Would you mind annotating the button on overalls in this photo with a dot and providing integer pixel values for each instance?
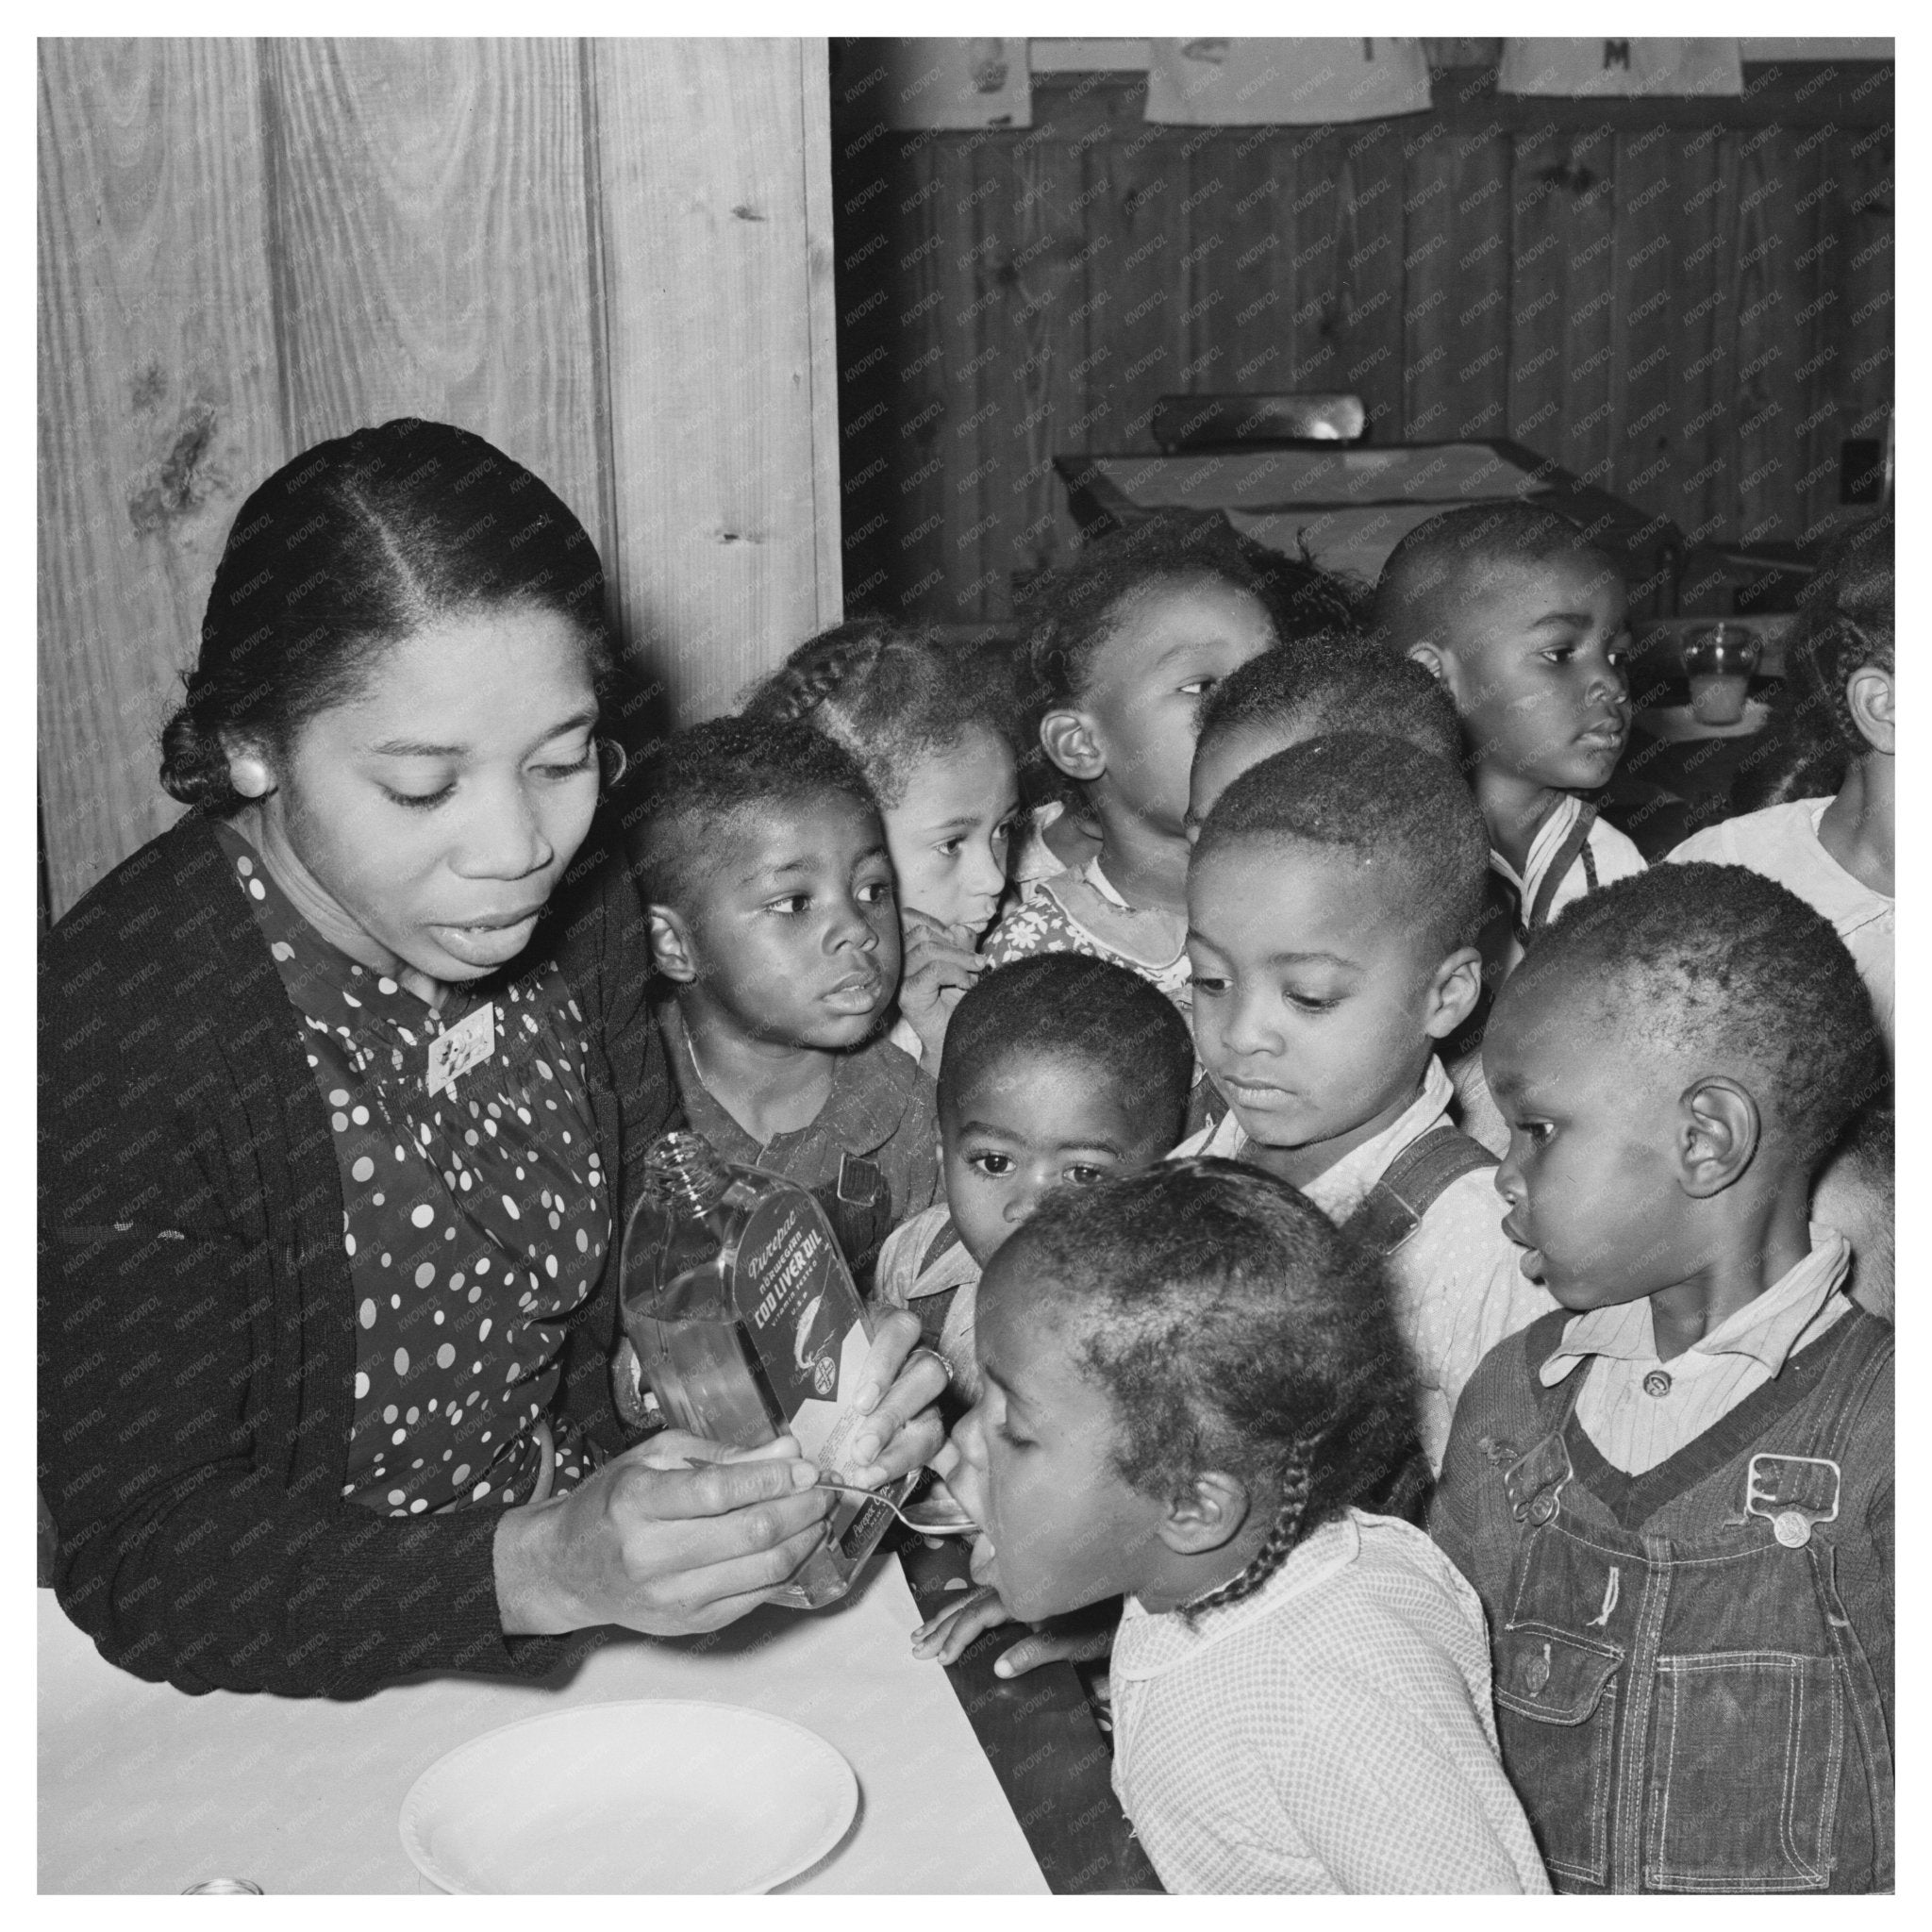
(1694, 1712)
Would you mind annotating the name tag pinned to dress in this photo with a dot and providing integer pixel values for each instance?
(457, 1048)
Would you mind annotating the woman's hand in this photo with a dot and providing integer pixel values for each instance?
(901, 1430)
(939, 964)
(674, 1536)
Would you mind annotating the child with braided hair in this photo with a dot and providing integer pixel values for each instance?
(1190, 1380)
(932, 748)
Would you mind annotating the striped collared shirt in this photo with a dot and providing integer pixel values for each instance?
(1639, 1410)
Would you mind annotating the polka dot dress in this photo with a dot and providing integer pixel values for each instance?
(475, 1220)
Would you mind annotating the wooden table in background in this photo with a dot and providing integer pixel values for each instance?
(1353, 503)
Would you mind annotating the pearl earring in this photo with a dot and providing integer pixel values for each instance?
(250, 778)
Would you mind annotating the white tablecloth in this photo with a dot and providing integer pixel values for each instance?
(145, 1790)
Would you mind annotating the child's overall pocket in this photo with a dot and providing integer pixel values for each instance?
(1557, 1719)
(1746, 1752)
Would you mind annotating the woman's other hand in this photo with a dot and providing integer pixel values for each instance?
(900, 1428)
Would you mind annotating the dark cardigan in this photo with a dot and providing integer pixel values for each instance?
(197, 1346)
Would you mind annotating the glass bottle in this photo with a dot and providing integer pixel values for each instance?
(744, 1324)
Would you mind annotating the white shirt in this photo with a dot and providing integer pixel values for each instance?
(1615, 857)
(1637, 1427)
(1782, 842)
(1459, 1288)
(1332, 1733)
(899, 1280)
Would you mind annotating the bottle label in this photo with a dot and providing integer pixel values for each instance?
(805, 1319)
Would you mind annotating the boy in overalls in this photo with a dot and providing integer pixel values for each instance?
(1675, 1494)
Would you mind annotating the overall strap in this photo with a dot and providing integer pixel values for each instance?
(1864, 1354)
(1799, 1488)
(1575, 845)
(1411, 1184)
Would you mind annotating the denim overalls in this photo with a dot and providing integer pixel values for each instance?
(1692, 1710)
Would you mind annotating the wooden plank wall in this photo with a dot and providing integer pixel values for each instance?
(1687, 303)
(613, 259)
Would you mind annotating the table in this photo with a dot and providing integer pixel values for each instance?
(1353, 504)
(1039, 1735)
(143, 1789)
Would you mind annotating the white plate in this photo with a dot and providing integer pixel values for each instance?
(650, 1797)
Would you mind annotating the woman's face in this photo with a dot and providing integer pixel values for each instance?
(424, 824)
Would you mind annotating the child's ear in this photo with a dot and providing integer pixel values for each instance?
(1718, 1131)
(671, 950)
(1453, 992)
(1431, 657)
(1208, 1516)
(1067, 738)
(1868, 698)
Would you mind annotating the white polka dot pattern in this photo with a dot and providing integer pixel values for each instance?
(460, 1280)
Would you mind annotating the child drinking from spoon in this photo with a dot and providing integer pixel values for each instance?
(1190, 1378)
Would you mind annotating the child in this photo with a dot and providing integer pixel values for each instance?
(1057, 1068)
(1522, 619)
(1836, 853)
(944, 773)
(1674, 1494)
(1190, 1380)
(765, 875)
(1334, 900)
(1333, 681)
(1145, 623)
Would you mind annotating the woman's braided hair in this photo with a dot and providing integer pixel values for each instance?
(1233, 1327)
(348, 549)
(891, 694)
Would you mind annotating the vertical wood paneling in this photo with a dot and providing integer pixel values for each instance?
(1369, 272)
(158, 408)
(1643, 446)
(432, 246)
(699, 146)
(1767, 334)
(821, 315)
(612, 260)
(1590, 323)
(1700, 385)
(1129, 216)
(1540, 272)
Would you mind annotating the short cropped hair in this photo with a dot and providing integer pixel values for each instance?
(1330, 682)
(1233, 1327)
(1441, 561)
(1382, 798)
(892, 694)
(1719, 966)
(1068, 1005)
(702, 780)
(1847, 624)
(1073, 612)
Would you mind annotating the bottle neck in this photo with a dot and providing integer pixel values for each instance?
(684, 1168)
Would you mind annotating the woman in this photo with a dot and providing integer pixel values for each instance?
(336, 1077)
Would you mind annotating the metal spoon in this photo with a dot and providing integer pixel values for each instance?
(940, 1525)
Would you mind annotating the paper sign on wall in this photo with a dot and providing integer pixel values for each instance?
(931, 83)
(1620, 67)
(1238, 83)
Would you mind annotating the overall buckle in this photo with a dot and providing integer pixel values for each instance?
(1793, 1493)
(1535, 1483)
